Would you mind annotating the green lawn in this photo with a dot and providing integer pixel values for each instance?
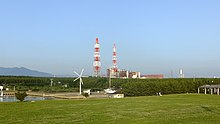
(184, 108)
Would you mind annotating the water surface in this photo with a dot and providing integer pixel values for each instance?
(28, 98)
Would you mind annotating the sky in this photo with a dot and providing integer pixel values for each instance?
(151, 36)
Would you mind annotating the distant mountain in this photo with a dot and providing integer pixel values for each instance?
(22, 72)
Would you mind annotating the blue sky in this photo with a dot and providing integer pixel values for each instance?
(152, 36)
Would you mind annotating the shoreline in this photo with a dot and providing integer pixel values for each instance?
(63, 95)
(67, 95)
(60, 95)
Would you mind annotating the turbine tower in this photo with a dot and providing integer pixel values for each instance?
(114, 61)
(97, 63)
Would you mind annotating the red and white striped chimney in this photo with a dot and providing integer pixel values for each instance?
(114, 60)
(97, 63)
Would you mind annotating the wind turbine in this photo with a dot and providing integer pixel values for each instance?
(80, 80)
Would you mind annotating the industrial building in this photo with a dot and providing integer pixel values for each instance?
(152, 76)
(122, 73)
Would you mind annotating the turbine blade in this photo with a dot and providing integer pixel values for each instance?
(81, 72)
(76, 79)
(76, 73)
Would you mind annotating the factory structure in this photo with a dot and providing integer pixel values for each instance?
(122, 73)
(114, 71)
(154, 76)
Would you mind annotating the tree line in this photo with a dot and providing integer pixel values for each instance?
(130, 87)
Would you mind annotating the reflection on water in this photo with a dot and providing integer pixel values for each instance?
(28, 98)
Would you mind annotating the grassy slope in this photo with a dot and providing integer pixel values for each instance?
(186, 108)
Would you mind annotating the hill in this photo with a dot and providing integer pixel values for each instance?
(22, 72)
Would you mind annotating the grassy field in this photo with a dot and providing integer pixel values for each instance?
(184, 108)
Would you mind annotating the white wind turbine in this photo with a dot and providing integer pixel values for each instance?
(80, 80)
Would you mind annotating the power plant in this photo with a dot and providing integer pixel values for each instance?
(114, 71)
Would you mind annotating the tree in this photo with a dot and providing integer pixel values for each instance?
(20, 95)
(85, 94)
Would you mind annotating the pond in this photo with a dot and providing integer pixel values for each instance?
(28, 98)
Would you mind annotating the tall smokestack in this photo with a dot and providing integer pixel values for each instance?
(114, 61)
(97, 63)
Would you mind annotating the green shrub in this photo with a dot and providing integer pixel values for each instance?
(20, 95)
(85, 94)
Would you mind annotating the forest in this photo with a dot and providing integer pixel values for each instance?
(130, 87)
